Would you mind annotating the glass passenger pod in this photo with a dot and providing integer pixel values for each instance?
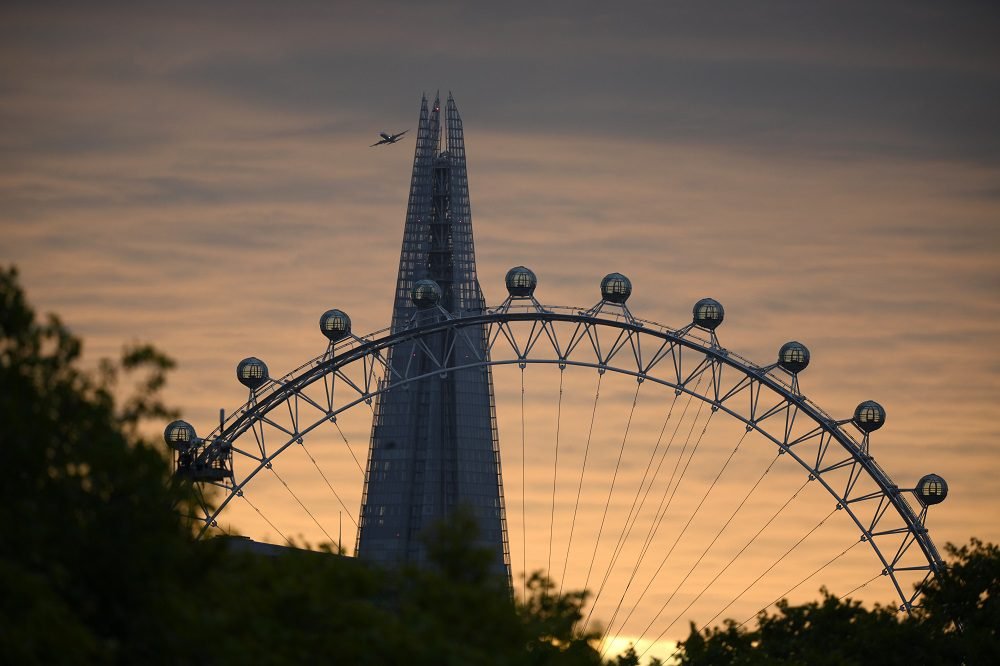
(252, 372)
(931, 489)
(179, 435)
(425, 294)
(521, 282)
(869, 416)
(708, 313)
(616, 288)
(793, 357)
(335, 325)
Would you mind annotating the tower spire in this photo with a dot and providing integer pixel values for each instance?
(434, 445)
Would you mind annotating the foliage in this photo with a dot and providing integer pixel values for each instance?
(835, 631)
(551, 622)
(961, 605)
(85, 503)
(97, 567)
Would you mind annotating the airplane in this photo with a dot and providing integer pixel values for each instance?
(388, 138)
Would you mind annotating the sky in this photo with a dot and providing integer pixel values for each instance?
(198, 175)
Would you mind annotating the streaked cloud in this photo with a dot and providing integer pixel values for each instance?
(200, 177)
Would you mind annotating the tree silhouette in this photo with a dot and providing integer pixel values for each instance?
(86, 503)
(98, 567)
(957, 623)
(961, 605)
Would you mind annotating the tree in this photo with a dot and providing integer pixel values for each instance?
(551, 623)
(957, 623)
(97, 566)
(86, 503)
(961, 605)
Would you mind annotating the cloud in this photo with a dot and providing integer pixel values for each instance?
(905, 81)
(200, 177)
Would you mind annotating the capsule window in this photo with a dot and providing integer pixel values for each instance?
(932, 488)
(708, 311)
(253, 371)
(521, 280)
(794, 355)
(616, 286)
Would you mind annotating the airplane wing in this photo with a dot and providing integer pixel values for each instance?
(396, 136)
(379, 143)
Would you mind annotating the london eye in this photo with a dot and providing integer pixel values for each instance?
(632, 546)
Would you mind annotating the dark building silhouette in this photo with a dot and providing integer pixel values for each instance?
(434, 443)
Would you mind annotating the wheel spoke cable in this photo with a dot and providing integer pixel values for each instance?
(579, 489)
(718, 534)
(607, 505)
(656, 474)
(864, 584)
(633, 514)
(344, 437)
(664, 505)
(794, 587)
(555, 471)
(660, 516)
(259, 513)
(680, 535)
(657, 521)
(754, 582)
(524, 524)
(304, 508)
(729, 520)
(328, 484)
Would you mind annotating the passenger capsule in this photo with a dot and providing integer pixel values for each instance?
(425, 294)
(708, 313)
(932, 489)
(869, 416)
(793, 357)
(335, 325)
(179, 435)
(521, 282)
(616, 288)
(252, 372)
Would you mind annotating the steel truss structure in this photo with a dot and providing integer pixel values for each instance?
(607, 338)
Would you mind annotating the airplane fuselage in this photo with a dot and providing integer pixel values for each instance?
(388, 138)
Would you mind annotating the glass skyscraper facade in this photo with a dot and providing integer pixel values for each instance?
(434, 445)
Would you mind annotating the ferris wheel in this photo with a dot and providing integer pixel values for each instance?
(684, 376)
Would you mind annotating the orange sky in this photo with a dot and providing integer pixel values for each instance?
(201, 179)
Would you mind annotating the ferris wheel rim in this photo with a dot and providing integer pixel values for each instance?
(280, 391)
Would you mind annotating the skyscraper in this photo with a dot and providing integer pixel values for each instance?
(434, 444)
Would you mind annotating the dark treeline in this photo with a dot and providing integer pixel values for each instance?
(98, 567)
(956, 623)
